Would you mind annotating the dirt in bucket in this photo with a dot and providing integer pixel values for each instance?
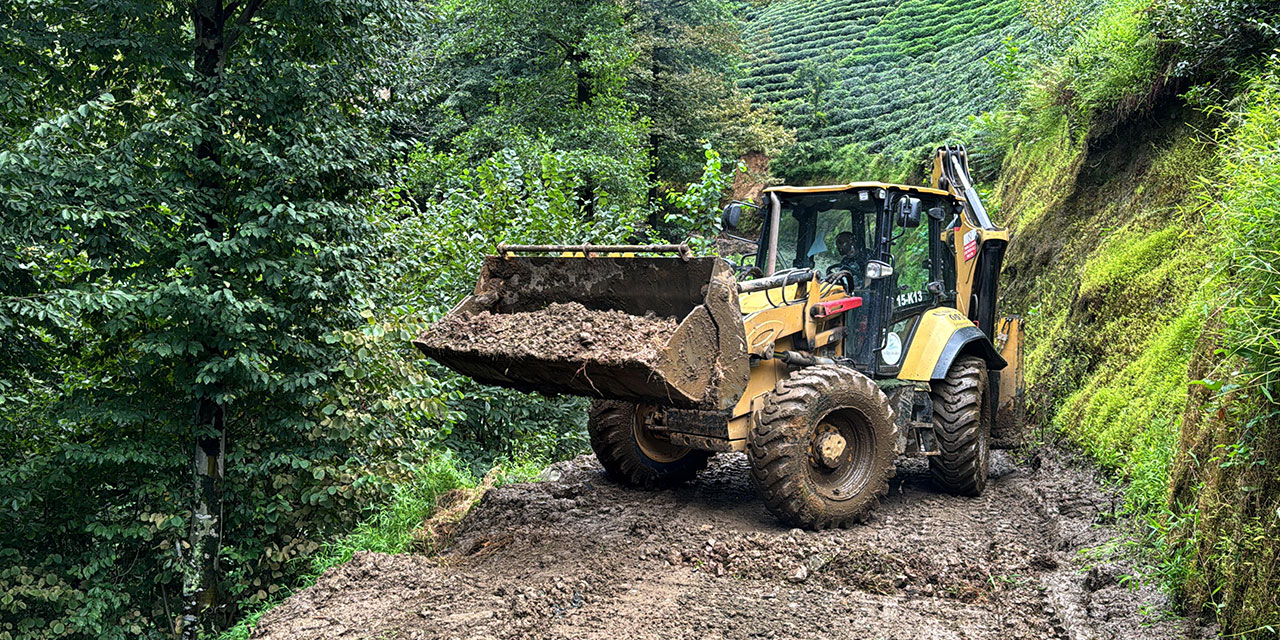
(561, 331)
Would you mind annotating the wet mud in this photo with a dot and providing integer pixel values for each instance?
(1039, 555)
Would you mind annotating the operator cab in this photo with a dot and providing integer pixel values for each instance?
(876, 241)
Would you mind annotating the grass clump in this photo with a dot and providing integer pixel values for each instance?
(391, 528)
(1248, 214)
(1109, 65)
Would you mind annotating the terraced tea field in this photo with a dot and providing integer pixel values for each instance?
(890, 74)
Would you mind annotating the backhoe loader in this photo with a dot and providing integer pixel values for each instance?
(863, 328)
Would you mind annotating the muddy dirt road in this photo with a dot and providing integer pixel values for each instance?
(577, 556)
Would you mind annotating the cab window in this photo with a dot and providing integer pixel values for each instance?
(826, 232)
(911, 260)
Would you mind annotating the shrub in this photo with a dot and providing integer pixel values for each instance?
(1248, 213)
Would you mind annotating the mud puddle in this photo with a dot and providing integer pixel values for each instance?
(577, 556)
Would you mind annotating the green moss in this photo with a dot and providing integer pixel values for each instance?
(1126, 416)
(1041, 168)
(1128, 255)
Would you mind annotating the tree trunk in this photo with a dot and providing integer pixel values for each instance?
(655, 194)
(200, 581)
(200, 586)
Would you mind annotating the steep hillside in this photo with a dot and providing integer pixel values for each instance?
(1114, 277)
(1123, 281)
(886, 75)
(1140, 181)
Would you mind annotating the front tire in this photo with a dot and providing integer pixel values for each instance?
(632, 454)
(962, 424)
(823, 447)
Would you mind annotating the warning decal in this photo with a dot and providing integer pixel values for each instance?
(970, 244)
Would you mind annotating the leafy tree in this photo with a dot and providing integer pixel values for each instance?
(685, 52)
(684, 81)
(182, 229)
(552, 72)
(203, 366)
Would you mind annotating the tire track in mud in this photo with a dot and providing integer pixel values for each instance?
(577, 556)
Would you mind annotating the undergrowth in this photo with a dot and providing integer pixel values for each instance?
(1248, 213)
(1226, 488)
(390, 528)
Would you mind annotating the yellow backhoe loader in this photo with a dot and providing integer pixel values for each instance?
(862, 329)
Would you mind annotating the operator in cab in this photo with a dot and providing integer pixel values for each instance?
(853, 258)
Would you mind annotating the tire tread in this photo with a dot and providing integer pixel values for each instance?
(959, 424)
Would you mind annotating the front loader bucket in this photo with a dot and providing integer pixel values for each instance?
(642, 329)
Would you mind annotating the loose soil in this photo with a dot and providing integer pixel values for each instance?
(559, 332)
(1039, 555)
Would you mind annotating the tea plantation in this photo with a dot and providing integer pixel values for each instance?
(889, 75)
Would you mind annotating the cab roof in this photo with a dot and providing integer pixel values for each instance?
(855, 186)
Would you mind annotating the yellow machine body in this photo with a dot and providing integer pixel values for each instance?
(735, 342)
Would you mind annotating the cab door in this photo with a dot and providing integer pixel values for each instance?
(914, 250)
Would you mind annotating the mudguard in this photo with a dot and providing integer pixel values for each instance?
(941, 336)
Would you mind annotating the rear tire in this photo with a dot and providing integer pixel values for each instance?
(823, 447)
(633, 455)
(962, 424)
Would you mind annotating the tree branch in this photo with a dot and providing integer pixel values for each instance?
(242, 20)
(249, 11)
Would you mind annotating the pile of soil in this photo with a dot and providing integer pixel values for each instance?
(728, 245)
(578, 556)
(566, 331)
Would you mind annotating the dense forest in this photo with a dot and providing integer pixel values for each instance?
(223, 220)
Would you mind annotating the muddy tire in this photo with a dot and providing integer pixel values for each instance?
(962, 424)
(632, 455)
(822, 449)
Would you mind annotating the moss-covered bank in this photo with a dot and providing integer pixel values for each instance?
(1145, 203)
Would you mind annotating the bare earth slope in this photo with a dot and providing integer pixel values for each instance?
(578, 556)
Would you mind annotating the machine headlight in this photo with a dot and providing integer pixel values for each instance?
(877, 269)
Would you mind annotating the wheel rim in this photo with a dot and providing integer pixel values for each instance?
(842, 454)
(652, 445)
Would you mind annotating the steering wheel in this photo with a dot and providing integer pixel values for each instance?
(843, 277)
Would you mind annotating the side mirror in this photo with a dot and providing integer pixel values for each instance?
(909, 212)
(732, 213)
(936, 213)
